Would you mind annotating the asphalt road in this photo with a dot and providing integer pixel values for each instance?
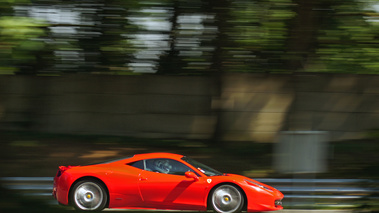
(281, 211)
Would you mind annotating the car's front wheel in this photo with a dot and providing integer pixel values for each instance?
(227, 199)
(89, 195)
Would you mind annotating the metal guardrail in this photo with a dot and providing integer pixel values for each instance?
(298, 192)
(324, 193)
(39, 187)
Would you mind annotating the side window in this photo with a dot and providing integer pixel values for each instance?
(166, 166)
(138, 164)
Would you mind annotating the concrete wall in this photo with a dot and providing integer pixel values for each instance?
(147, 106)
(345, 105)
(254, 106)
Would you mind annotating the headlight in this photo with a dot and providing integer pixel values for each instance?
(258, 185)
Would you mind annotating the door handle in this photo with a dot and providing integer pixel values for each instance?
(142, 178)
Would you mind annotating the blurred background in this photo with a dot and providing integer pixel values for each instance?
(285, 89)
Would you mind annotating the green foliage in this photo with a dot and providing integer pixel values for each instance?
(6, 6)
(206, 35)
(348, 43)
(259, 27)
(261, 24)
(20, 28)
(19, 41)
(13, 1)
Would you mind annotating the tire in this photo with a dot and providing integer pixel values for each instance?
(227, 199)
(88, 195)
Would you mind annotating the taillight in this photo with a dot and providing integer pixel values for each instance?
(62, 169)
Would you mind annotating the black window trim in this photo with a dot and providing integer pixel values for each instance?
(145, 168)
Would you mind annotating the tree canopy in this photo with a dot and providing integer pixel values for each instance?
(188, 37)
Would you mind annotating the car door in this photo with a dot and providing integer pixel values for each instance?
(163, 185)
(122, 183)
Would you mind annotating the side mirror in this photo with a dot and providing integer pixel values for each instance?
(191, 175)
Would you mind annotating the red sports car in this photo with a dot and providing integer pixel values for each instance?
(161, 181)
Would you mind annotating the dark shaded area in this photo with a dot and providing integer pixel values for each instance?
(12, 202)
(28, 154)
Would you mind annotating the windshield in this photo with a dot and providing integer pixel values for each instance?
(208, 171)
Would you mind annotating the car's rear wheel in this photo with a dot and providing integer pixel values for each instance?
(227, 199)
(89, 195)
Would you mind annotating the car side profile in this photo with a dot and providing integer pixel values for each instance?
(161, 181)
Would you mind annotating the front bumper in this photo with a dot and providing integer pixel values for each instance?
(264, 200)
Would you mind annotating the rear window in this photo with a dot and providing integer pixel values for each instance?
(137, 164)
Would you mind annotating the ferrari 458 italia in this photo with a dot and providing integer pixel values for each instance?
(161, 181)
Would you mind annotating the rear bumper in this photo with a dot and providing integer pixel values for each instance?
(61, 189)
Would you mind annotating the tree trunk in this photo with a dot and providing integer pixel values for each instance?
(220, 8)
(170, 62)
(303, 33)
